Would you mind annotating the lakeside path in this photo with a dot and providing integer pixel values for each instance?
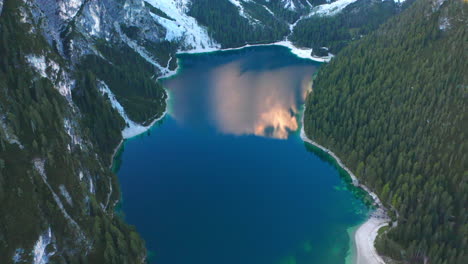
(366, 234)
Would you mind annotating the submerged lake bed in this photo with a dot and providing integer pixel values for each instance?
(225, 177)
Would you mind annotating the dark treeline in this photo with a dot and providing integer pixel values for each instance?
(393, 107)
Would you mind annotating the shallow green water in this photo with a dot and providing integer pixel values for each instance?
(225, 177)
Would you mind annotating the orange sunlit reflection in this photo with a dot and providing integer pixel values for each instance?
(248, 102)
(259, 103)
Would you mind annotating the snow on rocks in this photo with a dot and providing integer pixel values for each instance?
(182, 28)
(132, 129)
(96, 20)
(69, 8)
(51, 70)
(38, 63)
(18, 256)
(69, 127)
(40, 254)
(1, 7)
(331, 8)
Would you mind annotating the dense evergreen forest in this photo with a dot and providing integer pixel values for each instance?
(393, 107)
(335, 32)
(55, 150)
(130, 77)
(228, 27)
(269, 21)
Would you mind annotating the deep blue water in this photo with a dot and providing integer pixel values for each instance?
(225, 177)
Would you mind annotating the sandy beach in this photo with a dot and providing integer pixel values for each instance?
(365, 237)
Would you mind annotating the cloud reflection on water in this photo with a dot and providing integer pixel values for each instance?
(244, 102)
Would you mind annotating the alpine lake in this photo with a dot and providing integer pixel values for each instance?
(224, 177)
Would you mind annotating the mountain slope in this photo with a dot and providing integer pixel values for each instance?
(58, 127)
(76, 77)
(393, 107)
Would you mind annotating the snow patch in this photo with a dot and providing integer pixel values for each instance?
(1, 7)
(51, 70)
(18, 257)
(184, 28)
(436, 4)
(8, 135)
(132, 129)
(70, 129)
(304, 53)
(39, 165)
(65, 194)
(109, 194)
(268, 10)
(332, 8)
(38, 63)
(242, 12)
(40, 255)
(289, 4)
(91, 185)
(143, 53)
(444, 23)
(96, 21)
(68, 9)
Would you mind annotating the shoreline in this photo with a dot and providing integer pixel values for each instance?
(141, 130)
(303, 53)
(365, 235)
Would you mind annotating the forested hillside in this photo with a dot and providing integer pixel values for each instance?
(335, 32)
(58, 131)
(304, 23)
(393, 107)
(227, 26)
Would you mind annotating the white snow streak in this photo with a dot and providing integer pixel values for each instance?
(332, 8)
(8, 135)
(39, 165)
(132, 129)
(1, 7)
(289, 4)
(65, 194)
(40, 256)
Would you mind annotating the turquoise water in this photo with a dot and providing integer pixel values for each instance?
(225, 177)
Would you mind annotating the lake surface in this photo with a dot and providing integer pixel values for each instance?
(225, 177)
